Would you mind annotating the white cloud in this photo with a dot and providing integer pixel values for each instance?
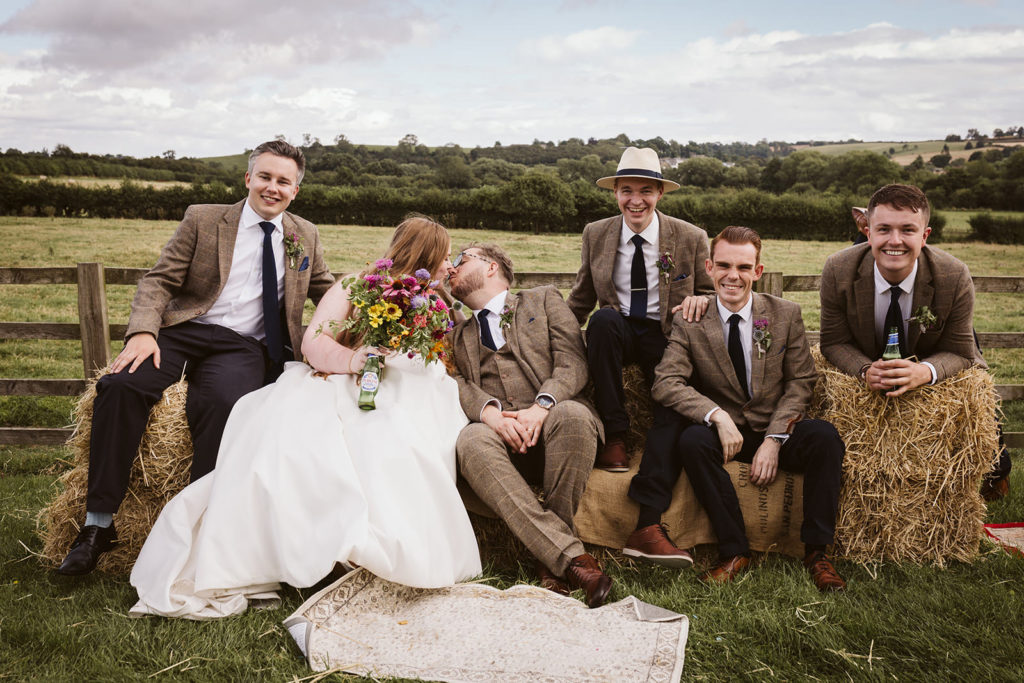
(606, 39)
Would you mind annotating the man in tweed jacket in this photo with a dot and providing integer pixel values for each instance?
(639, 259)
(857, 286)
(742, 377)
(200, 312)
(520, 369)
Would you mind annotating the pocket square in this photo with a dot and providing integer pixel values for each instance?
(681, 276)
(305, 264)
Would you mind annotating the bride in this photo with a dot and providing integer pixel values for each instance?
(304, 479)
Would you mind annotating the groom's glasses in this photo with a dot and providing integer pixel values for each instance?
(462, 256)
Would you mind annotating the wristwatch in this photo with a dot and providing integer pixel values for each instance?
(777, 439)
(545, 401)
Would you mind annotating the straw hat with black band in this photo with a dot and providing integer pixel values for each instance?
(641, 163)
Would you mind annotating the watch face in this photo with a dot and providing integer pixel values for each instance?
(545, 402)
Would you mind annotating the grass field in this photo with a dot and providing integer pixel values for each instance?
(90, 181)
(895, 622)
(905, 152)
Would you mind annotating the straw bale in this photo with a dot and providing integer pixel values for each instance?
(913, 465)
(161, 469)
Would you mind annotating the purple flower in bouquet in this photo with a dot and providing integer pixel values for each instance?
(383, 264)
(372, 279)
(422, 274)
(418, 300)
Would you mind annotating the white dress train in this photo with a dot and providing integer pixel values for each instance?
(305, 479)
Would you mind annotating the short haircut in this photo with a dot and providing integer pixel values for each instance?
(496, 254)
(737, 234)
(281, 149)
(901, 197)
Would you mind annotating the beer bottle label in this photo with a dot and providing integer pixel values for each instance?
(369, 382)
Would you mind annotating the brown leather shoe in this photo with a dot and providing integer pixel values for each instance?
(653, 544)
(995, 489)
(823, 573)
(726, 570)
(584, 572)
(613, 457)
(549, 580)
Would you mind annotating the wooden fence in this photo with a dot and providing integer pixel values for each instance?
(95, 331)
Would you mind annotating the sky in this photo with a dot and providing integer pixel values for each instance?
(213, 77)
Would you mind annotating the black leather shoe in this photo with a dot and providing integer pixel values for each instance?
(92, 541)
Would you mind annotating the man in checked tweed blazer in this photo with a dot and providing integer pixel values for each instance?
(856, 289)
(520, 370)
(742, 377)
(637, 266)
(199, 312)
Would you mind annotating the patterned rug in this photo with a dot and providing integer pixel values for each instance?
(365, 625)
(1009, 536)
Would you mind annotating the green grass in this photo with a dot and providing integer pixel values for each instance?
(903, 622)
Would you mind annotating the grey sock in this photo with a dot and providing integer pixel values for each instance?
(101, 519)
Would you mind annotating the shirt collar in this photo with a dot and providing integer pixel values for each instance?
(882, 285)
(650, 233)
(744, 312)
(495, 305)
(251, 219)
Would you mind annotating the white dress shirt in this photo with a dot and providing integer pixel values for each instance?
(240, 304)
(494, 308)
(882, 299)
(746, 330)
(622, 274)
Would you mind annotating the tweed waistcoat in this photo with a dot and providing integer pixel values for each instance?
(501, 376)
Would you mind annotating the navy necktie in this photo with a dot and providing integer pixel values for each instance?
(485, 330)
(736, 352)
(271, 308)
(894, 318)
(638, 280)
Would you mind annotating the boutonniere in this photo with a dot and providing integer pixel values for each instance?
(762, 337)
(505, 319)
(293, 249)
(924, 317)
(666, 265)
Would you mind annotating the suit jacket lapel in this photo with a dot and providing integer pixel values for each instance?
(864, 292)
(227, 232)
(757, 360)
(603, 261)
(666, 243)
(469, 338)
(291, 275)
(923, 293)
(712, 325)
(511, 333)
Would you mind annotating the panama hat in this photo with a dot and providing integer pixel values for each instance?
(637, 162)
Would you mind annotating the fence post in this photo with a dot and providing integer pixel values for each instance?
(770, 283)
(92, 317)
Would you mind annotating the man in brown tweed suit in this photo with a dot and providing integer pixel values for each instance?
(869, 288)
(520, 369)
(200, 311)
(637, 267)
(742, 377)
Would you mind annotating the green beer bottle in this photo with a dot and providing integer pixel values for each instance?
(892, 346)
(369, 382)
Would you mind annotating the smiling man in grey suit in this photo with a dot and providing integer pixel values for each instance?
(637, 267)
(520, 370)
(889, 282)
(743, 377)
(223, 306)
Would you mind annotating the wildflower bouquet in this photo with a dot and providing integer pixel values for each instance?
(399, 312)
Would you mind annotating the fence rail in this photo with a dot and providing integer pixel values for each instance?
(95, 330)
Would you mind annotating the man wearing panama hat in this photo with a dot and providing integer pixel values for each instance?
(637, 267)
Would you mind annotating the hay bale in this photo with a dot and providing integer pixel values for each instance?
(161, 469)
(913, 465)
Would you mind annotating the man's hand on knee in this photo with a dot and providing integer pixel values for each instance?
(728, 434)
(765, 464)
(137, 349)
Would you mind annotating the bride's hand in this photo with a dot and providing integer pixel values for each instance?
(358, 358)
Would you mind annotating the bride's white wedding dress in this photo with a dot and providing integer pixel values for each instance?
(304, 479)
